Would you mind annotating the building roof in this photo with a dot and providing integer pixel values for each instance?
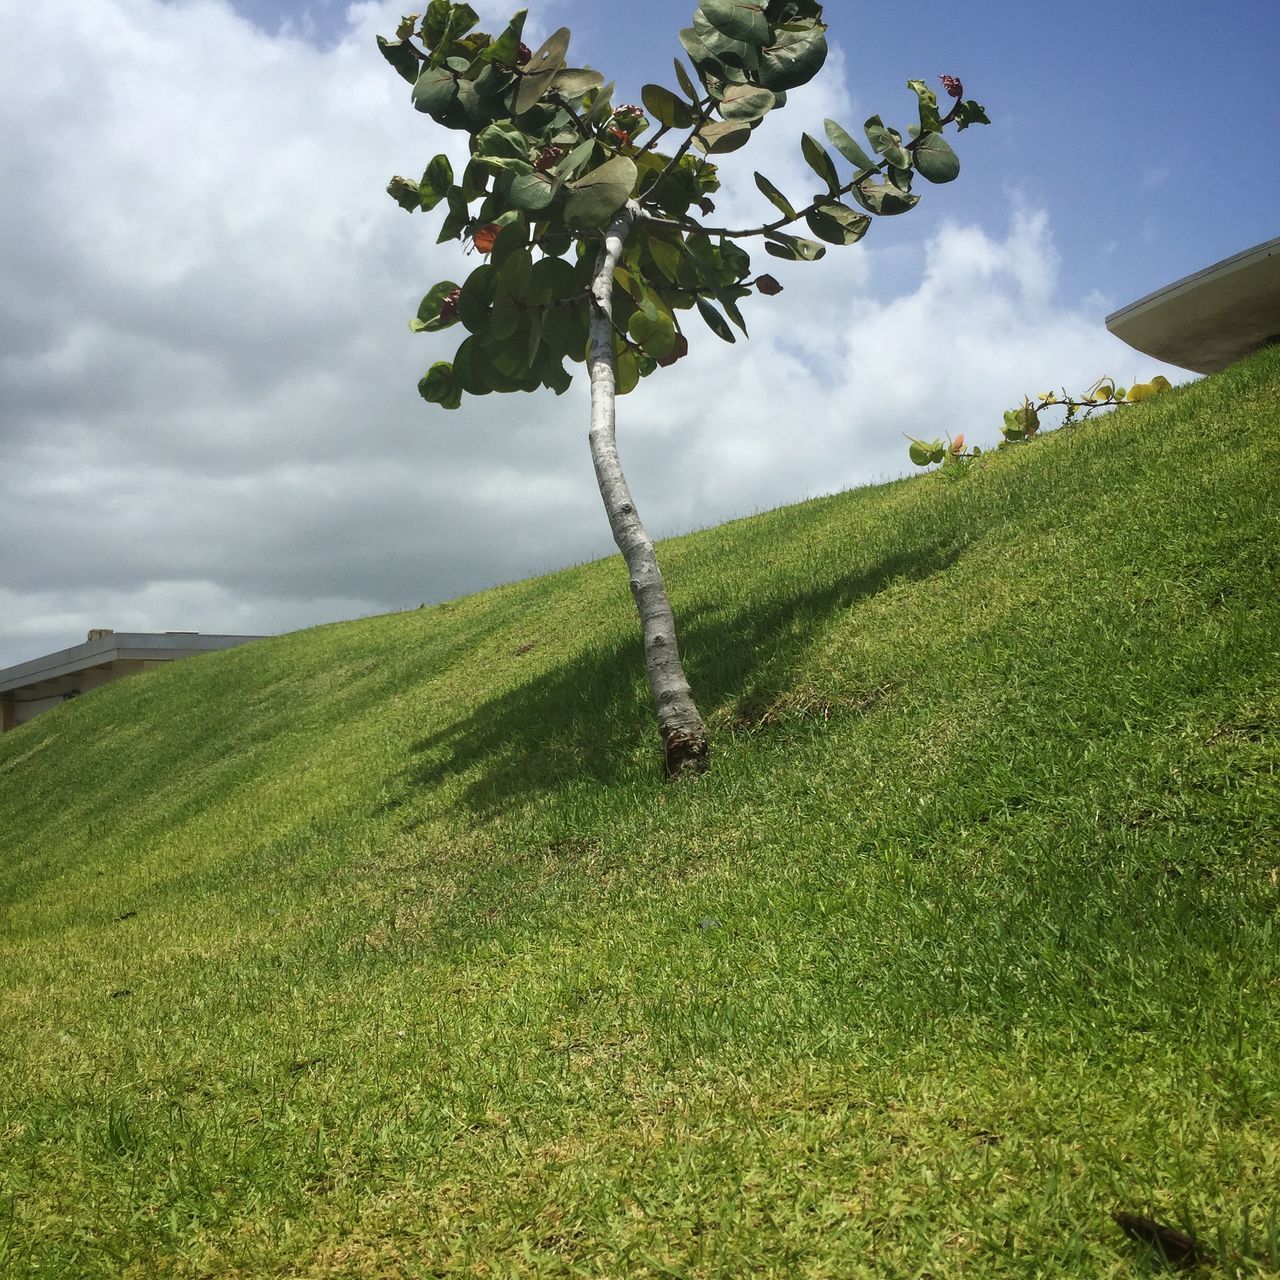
(113, 647)
(1211, 319)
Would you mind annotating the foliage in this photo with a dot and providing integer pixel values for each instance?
(552, 160)
(1022, 423)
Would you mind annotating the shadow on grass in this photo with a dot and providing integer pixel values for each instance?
(587, 719)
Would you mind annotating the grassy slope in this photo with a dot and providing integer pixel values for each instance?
(380, 950)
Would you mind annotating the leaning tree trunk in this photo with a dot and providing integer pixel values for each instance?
(684, 736)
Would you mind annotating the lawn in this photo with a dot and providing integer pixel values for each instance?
(382, 950)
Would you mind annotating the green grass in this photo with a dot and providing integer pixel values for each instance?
(381, 950)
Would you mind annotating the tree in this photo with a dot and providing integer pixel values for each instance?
(619, 230)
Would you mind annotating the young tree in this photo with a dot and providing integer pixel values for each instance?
(596, 243)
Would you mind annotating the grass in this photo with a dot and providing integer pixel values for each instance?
(381, 950)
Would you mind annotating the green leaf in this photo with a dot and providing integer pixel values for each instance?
(429, 319)
(666, 108)
(405, 193)
(458, 218)
(439, 386)
(969, 113)
(574, 162)
(746, 102)
(435, 22)
(401, 56)
(715, 56)
(513, 236)
(509, 355)
(775, 197)
(565, 332)
(531, 192)
(463, 19)
(534, 318)
(552, 373)
(820, 161)
(883, 198)
(738, 19)
(626, 372)
(837, 223)
(715, 321)
(598, 195)
(698, 53)
(468, 112)
(504, 318)
(884, 143)
(445, 24)
(475, 181)
(687, 87)
(1021, 422)
(930, 120)
(435, 91)
(722, 136)
(573, 82)
(555, 278)
(730, 305)
(793, 248)
(923, 454)
(506, 48)
(796, 55)
(540, 70)
(656, 333)
(435, 183)
(601, 106)
(470, 367)
(477, 298)
(846, 146)
(735, 259)
(665, 256)
(492, 82)
(935, 159)
(515, 274)
(502, 146)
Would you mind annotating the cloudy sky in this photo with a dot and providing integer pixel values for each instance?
(208, 408)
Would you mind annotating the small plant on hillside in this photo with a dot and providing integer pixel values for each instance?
(596, 245)
(1022, 423)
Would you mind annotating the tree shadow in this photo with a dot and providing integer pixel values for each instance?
(588, 719)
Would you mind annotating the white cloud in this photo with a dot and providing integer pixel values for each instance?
(985, 324)
(208, 417)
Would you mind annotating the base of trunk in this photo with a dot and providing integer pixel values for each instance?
(684, 753)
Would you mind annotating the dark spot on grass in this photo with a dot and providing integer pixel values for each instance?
(1175, 1247)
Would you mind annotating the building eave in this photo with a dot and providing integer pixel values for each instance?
(1208, 320)
(116, 647)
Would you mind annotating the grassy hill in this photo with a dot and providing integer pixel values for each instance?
(381, 950)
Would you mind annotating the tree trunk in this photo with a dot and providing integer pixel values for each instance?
(684, 736)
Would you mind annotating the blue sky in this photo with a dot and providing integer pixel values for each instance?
(208, 408)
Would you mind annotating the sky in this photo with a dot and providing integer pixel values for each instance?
(208, 409)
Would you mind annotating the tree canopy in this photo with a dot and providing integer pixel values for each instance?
(553, 159)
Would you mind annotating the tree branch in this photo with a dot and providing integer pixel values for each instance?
(769, 228)
(663, 130)
(689, 224)
(704, 114)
